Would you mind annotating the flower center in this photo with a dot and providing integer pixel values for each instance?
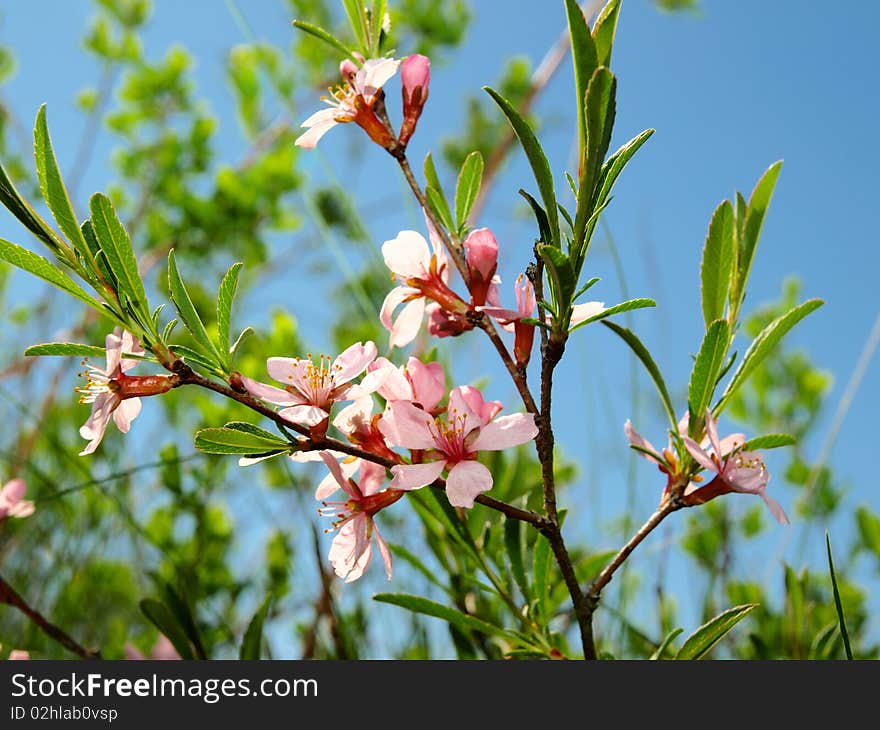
(97, 383)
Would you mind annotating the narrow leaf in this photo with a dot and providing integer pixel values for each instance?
(541, 558)
(323, 35)
(463, 621)
(225, 295)
(704, 375)
(837, 603)
(468, 187)
(540, 217)
(759, 201)
(603, 32)
(357, 18)
(670, 637)
(236, 441)
(253, 635)
(161, 617)
(642, 353)
(187, 311)
(513, 545)
(537, 159)
(626, 306)
(761, 346)
(614, 165)
(65, 349)
(770, 441)
(698, 644)
(439, 207)
(28, 217)
(583, 56)
(717, 265)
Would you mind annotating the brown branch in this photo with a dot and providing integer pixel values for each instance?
(10, 597)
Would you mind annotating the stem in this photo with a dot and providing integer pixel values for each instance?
(10, 597)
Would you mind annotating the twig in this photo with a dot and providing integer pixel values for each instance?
(10, 597)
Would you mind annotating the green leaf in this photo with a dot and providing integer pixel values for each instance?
(225, 295)
(540, 217)
(188, 314)
(323, 35)
(541, 558)
(116, 246)
(704, 375)
(869, 529)
(194, 357)
(253, 635)
(642, 353)
(770, 441)
(183, 615)
(824, 642)
(584, 59)
(27, 216)
(837, 604)
(626, 306)
(761, 346)
(561, 276)
(468, 187)
(237, 441)
(537, 159)
(463, 621)
(357, 18)
(603, 32)
(65, 349)
(439, 207)
(163, 619)
(717, 267)
(698, 644)
(407, 556)
(513, 545)
(377, 18)
(247, 331)
(670, 637)
(614, 165)
(754, 221)
(38, 266)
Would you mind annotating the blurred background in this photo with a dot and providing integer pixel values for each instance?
(186, 114)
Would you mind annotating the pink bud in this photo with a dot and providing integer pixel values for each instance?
(349, 68)
(415, 75)
(482, 260)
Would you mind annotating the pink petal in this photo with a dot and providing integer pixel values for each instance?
(466, 480)
(466, 407)
(128, 410)
(414, 476)
(328, 484)
(355, 417)
(13, 491)
(505, 432)
(776, 509)
(408, 323)
(132, 653)
(372, 478)
(482, 251)
(292, 371)
(730, 443)
(408, 255)
(353, 361)
(113, 347)
(270, 393)
(304, 415)
(341, 479)
(132, 346)
(583, 312)
(19, 655)
(404, 425)
(350, 552)
(22, 508)
(373, 76)
(96, 425)
(700, 456)
(428, 382)
(712, 433)
(318, 129)
(636, 439)
(383, 550)
(395, 386)
(746, 472)
(397, 296)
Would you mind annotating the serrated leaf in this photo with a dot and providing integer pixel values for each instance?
(759, 201)
(841, 619)
(761, 346)
(241, 338)
(253, 635)
(769, 441)
(642, 353)
(64, 349)
(513, 545)
(463, 621)
(699, 643)
(717, 266)
(188, 314)
(163, 619)
(225, 295)
(323, 35)
(38, 266)
(626, 306)
(664, 645)
(603, 32)
(468, 187)
(584, 60)
(537, 159)
(237, 441)
(116, 246)
(704, 375)
(52, 185)
(252, 429)
(616, 162)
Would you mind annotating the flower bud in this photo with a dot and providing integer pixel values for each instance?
(482, 260)
(415, 74)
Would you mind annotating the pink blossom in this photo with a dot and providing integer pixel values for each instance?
(482, 259)
(422, 274)
(415, 76)
(352, 101)
(352, 549)
(19, 655)
(737, 470)
(11, 502)
(103, 392)
(421, 383)
(453, 443)
(163, 649)
(582, 312)
(310, 389)
(511, 319)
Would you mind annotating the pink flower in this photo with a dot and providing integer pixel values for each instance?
(511, 319)
(310, 389)
(19, 655)
(103, 392)
(421, 383)
(453, 444)
(415, 76)
(163, 649)
(352, 101)
(352, 549)
(11, 502)
(582, 312)
(422, 274)
(482, 260)
(737, 470)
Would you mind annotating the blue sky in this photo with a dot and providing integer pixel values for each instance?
(729, 92)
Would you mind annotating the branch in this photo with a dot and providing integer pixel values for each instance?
(10, 597)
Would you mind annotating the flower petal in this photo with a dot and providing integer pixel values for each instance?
(309, 139)
(428, 382)
(304, 415)
(505, 432)
(712, 434)
(636, 439)
(466, 407)
(356, 417)
(776, 509)
(700, 456)
(466, 480)
(407, 255)
(372, 478)
(383, 550)
(270, 393)
(127, 411)
(13, 491)
(350, 552)
(582, 312)
(352, 362)
(395, 386)
(339, 476)
(408, 323)
(403, 424)
(414, 476)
